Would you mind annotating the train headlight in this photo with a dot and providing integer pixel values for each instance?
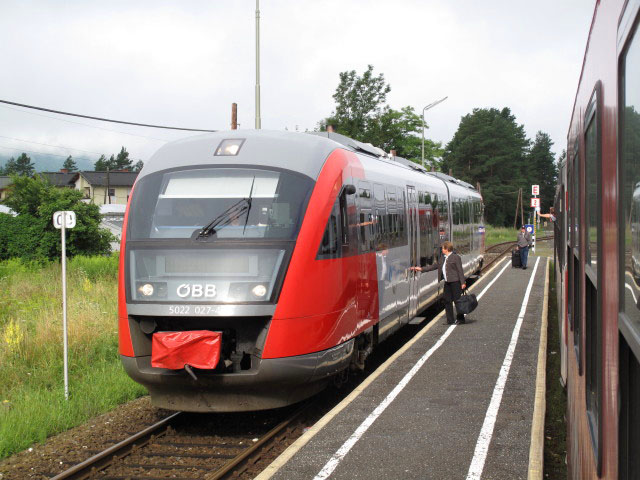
(146, 289)
(259, 290)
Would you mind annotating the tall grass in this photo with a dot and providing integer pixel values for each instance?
(32, 404)
(495, 235)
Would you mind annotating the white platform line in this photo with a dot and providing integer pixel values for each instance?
(626, 285)
(482, 445)
(335, 460)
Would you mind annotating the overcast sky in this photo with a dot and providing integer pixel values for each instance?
(183, 63)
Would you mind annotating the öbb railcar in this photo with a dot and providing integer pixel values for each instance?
(295, 248)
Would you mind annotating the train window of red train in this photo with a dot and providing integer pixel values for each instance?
(574, 260)
(593, 317)
(629, 252)
(592, 197)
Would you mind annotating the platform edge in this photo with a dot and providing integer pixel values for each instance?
(285, 456)
(536, 449)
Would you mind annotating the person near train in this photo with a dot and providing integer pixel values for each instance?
(449, 268)
(523, 244)
(551, 215)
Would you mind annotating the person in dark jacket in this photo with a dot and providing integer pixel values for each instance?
(523, 243)
(450, 270)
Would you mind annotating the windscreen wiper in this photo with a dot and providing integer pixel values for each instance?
(232, 213)
(249, 200)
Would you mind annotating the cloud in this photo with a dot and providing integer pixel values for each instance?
(184, 63)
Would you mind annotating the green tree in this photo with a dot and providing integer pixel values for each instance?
(70, 164)
(362, 114)
(122, 160)
(138, 166)
(491, 148)
(359, 101)
(10, 168)
(543, 170)
(32, 235)
(23, 165)
(397, 130)
(103, 164)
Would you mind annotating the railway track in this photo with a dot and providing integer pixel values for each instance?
(507, 248)
(183, 447)
(173, 448)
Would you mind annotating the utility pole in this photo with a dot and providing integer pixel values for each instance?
(234, 116)
(258, 119)
(108, 186)
(521, 207)
(518, 202)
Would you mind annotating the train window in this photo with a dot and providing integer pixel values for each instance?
(378, 193)
(593, 327)
(591, 194)
(575, 203)
(629, 260)
(443, 214)
(574, 259)
(236, 202)
(629, 256)
(331, 245)
(629, 171)
(629, 423)
(391, 196)
(402, 209)
(364, 194)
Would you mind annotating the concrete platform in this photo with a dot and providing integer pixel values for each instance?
(455, 402)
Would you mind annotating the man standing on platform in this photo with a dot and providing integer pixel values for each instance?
(449, 268)
(523, 243)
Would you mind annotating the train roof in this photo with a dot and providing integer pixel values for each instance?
(287, 150)
(301, 152)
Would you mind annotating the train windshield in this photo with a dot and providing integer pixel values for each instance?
(219, 203)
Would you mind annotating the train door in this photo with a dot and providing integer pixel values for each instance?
(367, 286)
(412, 222)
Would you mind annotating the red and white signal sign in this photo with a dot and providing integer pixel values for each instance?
(535, 202)
(535, 189)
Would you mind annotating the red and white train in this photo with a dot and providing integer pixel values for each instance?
(598, 252)
(255, 266)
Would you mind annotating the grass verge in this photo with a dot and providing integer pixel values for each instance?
(32, 405)
(493, 235)
(555, 428)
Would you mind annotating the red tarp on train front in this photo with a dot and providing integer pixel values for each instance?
(174, 350)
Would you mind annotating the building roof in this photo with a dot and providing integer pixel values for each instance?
(60, 179)
(5, 181)
(116, 179)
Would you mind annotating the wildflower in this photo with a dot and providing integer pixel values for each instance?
(13, 336)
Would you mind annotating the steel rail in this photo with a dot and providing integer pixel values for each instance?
(242, 457)
(102, 460)
(508, 249)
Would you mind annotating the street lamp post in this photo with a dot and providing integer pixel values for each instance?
(431, 105)
(258, 119)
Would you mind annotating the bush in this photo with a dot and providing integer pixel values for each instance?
(32, 235)
(95, 268)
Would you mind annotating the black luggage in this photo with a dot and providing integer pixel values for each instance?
(515, 259)
(467, 303)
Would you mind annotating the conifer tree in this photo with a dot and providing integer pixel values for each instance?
(70, 164)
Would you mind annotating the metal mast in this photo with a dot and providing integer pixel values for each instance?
(258, 120)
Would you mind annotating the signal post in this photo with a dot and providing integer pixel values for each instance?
(535, 204)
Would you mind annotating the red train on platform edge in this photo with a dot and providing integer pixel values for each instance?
(597, 252)
(287, 254)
